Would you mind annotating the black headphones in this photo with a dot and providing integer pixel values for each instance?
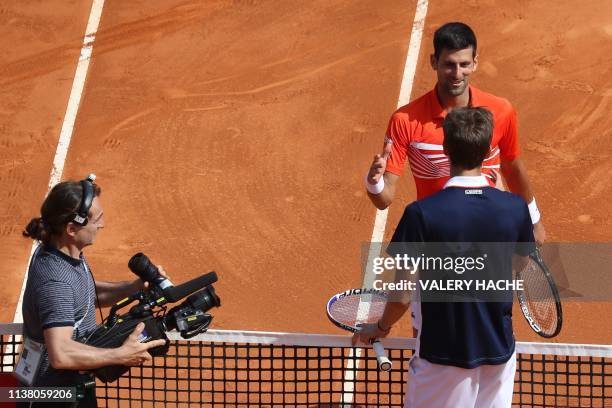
(80, 218)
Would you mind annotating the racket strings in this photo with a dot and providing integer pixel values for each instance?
(539, 297)
(353, 310)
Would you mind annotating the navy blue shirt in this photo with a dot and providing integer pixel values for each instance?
(466, 334)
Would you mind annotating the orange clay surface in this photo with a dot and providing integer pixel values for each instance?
(234, 136)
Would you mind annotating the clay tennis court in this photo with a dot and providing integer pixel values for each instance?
(233, 136)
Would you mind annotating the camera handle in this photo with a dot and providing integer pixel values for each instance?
(112, 315)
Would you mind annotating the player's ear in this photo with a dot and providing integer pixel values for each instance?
(433, 61)
(475, 62)
(70, 229)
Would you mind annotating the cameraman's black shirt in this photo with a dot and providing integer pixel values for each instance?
(60, 291)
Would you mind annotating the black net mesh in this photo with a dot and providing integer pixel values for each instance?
(262, 374)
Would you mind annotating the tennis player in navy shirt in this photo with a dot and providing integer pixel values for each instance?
(465, 352)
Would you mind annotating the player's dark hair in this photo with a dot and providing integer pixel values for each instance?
(454, 36)
(467, 136)
(58, 209)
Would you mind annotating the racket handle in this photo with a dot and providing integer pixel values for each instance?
(384, 364)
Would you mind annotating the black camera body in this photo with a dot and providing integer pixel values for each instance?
(189, 318)
(114, 337)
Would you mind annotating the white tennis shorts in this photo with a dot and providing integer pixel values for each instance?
(441, 386)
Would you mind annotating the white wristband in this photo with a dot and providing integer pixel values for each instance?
(375, 188)
(534, 212)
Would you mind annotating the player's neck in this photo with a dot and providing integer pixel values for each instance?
(449, 102)
(456, 171)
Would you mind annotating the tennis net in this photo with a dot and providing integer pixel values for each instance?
(240, 369)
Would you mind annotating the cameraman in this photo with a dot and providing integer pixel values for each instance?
(60, 296)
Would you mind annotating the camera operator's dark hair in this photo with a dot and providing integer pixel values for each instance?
(467, 136)
(58, 209)
(454, 36)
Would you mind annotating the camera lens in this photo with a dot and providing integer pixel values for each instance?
(190, 316)
(142, 266)
(205, 299)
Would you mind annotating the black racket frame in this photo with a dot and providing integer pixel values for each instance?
(536, 256)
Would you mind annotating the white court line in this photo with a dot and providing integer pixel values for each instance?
(64, 140)
(68, 124)
(380, 221)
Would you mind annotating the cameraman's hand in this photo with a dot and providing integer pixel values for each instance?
(133, 352)
(162, 272)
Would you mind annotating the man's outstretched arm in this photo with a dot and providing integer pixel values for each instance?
(515, 175)
(386, 196)
(380, 184)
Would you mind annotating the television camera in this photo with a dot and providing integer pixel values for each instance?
(188, 318)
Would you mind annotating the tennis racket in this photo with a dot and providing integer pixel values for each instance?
(539, 299)
(357, 306)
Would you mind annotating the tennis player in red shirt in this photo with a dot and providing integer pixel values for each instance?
(415, 130)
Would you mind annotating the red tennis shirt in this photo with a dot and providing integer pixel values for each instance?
(417, 134)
